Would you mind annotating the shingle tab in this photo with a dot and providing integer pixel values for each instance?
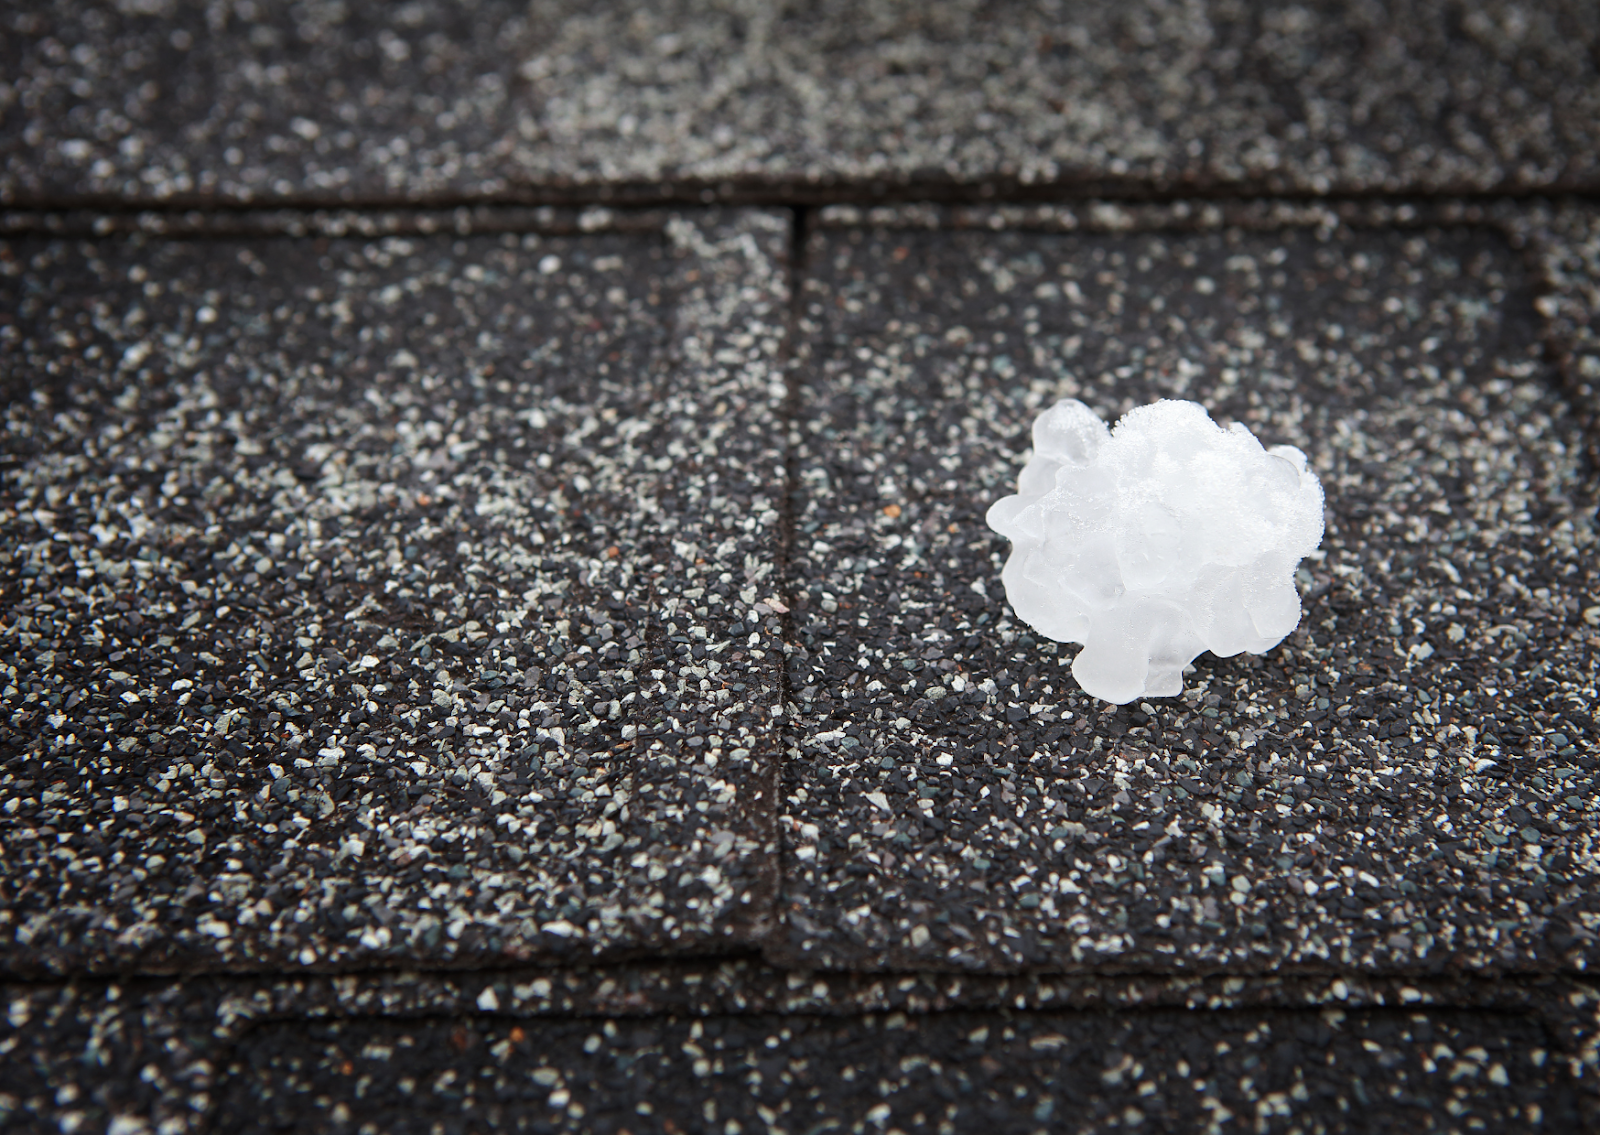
(392, 599)
(325, 103)
(1400, 786)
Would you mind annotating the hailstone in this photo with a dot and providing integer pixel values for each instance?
(1154, 541)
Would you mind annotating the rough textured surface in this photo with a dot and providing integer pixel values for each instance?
(293, 698)
(381, 601)
(161, 101)
(132, 456)
(1400, 787)
(947, 1073)
(252, 102)
(179, 1054)
(1565, 245)
(1318, 97)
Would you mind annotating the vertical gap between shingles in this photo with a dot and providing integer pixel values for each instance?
(789, 425)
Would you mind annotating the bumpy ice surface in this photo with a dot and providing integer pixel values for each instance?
(1156, 540)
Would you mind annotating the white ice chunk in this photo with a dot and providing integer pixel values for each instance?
(1156, 540)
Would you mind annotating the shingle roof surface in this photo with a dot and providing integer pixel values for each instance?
(497, 629)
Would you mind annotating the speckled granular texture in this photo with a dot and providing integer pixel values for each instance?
(1318, 97)
(1388, 1071)
(391, 602)
(370, 602)
(253, 102)
(1565, 245)
(161, 100)
(214, 1054)
(1403, 786)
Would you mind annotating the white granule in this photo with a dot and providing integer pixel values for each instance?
(1156, 540)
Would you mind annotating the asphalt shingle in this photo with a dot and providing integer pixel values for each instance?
(1399, 787)
(1564, 242)
(215, 1053)
(257, 102)
(1358, 1071)
(391, 599)
(246, 102)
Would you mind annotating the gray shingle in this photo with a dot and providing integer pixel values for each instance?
(386, 600)
(1400, 786)
(422, 101)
